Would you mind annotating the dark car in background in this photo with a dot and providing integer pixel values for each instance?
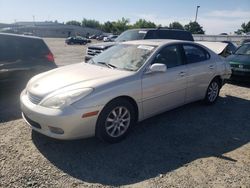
(100, 37)
(22, 57)
(77, 40)
(140, 34)
(110, 38)
(240, 62)
(245, 41)
(92, 37)
(230, 49)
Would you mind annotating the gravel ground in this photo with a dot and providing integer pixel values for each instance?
(192, 146)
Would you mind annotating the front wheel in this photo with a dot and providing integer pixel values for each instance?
(213, 91)
(115, 121)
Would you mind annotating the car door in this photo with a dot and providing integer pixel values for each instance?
(163, 91)
(201, 71)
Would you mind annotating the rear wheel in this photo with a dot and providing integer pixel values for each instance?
(115, 121)
(213, 91)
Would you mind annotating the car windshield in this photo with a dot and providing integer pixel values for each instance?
(131, 35)
(124, 56)
(243, 50)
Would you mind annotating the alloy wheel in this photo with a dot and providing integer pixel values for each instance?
(118, 121)
(213, 91)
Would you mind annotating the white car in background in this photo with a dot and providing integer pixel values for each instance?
(125, 84)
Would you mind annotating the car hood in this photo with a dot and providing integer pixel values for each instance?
(103, 45)
(244, 59)
(81, 75)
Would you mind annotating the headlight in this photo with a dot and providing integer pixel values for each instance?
(61, 99)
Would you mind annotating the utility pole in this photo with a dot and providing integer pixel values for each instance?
(196, 13)
(33, 16)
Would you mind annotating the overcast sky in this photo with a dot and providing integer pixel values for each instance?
(216, 16)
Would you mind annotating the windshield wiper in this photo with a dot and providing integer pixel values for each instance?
(128, 69)
(108, 65)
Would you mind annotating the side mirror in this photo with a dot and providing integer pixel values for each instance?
(157, 67)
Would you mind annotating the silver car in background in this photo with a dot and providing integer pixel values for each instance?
(125, 84)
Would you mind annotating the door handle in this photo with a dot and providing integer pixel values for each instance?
(182, 74)
(211, 66)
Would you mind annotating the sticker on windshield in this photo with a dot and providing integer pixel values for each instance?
(145, 47)
(144, 32)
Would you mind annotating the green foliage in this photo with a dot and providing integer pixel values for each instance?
(245, 27)
(73, 22)
(123, 24)
(176, 25)
(194, 28)
(116, 27)
(91, 23)
(142, 23)
(108, 27)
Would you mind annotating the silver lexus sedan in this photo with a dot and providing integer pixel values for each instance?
(123, 85)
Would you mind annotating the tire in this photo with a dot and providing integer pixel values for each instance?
(115, 121)
(213, 91)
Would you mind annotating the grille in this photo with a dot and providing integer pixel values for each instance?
(234, 65)
(237, 66)
(94, 51)
(34, 99)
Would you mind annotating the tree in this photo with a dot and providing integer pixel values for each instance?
(245, 27)
(121, 25)
(108, 27)
(73, 22)
(142, 23)
(194, 28)
(176, 25)
(91, 23)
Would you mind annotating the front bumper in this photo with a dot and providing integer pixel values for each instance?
(46, 121)
(241, 72)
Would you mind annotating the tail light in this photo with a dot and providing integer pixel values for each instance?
(50, 57)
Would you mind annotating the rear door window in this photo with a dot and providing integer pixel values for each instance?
(13, 48)
(8, 49)
(33, 48)
(195, 53)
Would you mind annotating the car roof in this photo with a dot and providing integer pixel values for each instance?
(154, 42)
(216, 47)
(157, 29)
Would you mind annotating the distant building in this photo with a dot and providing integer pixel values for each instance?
(48, 29)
